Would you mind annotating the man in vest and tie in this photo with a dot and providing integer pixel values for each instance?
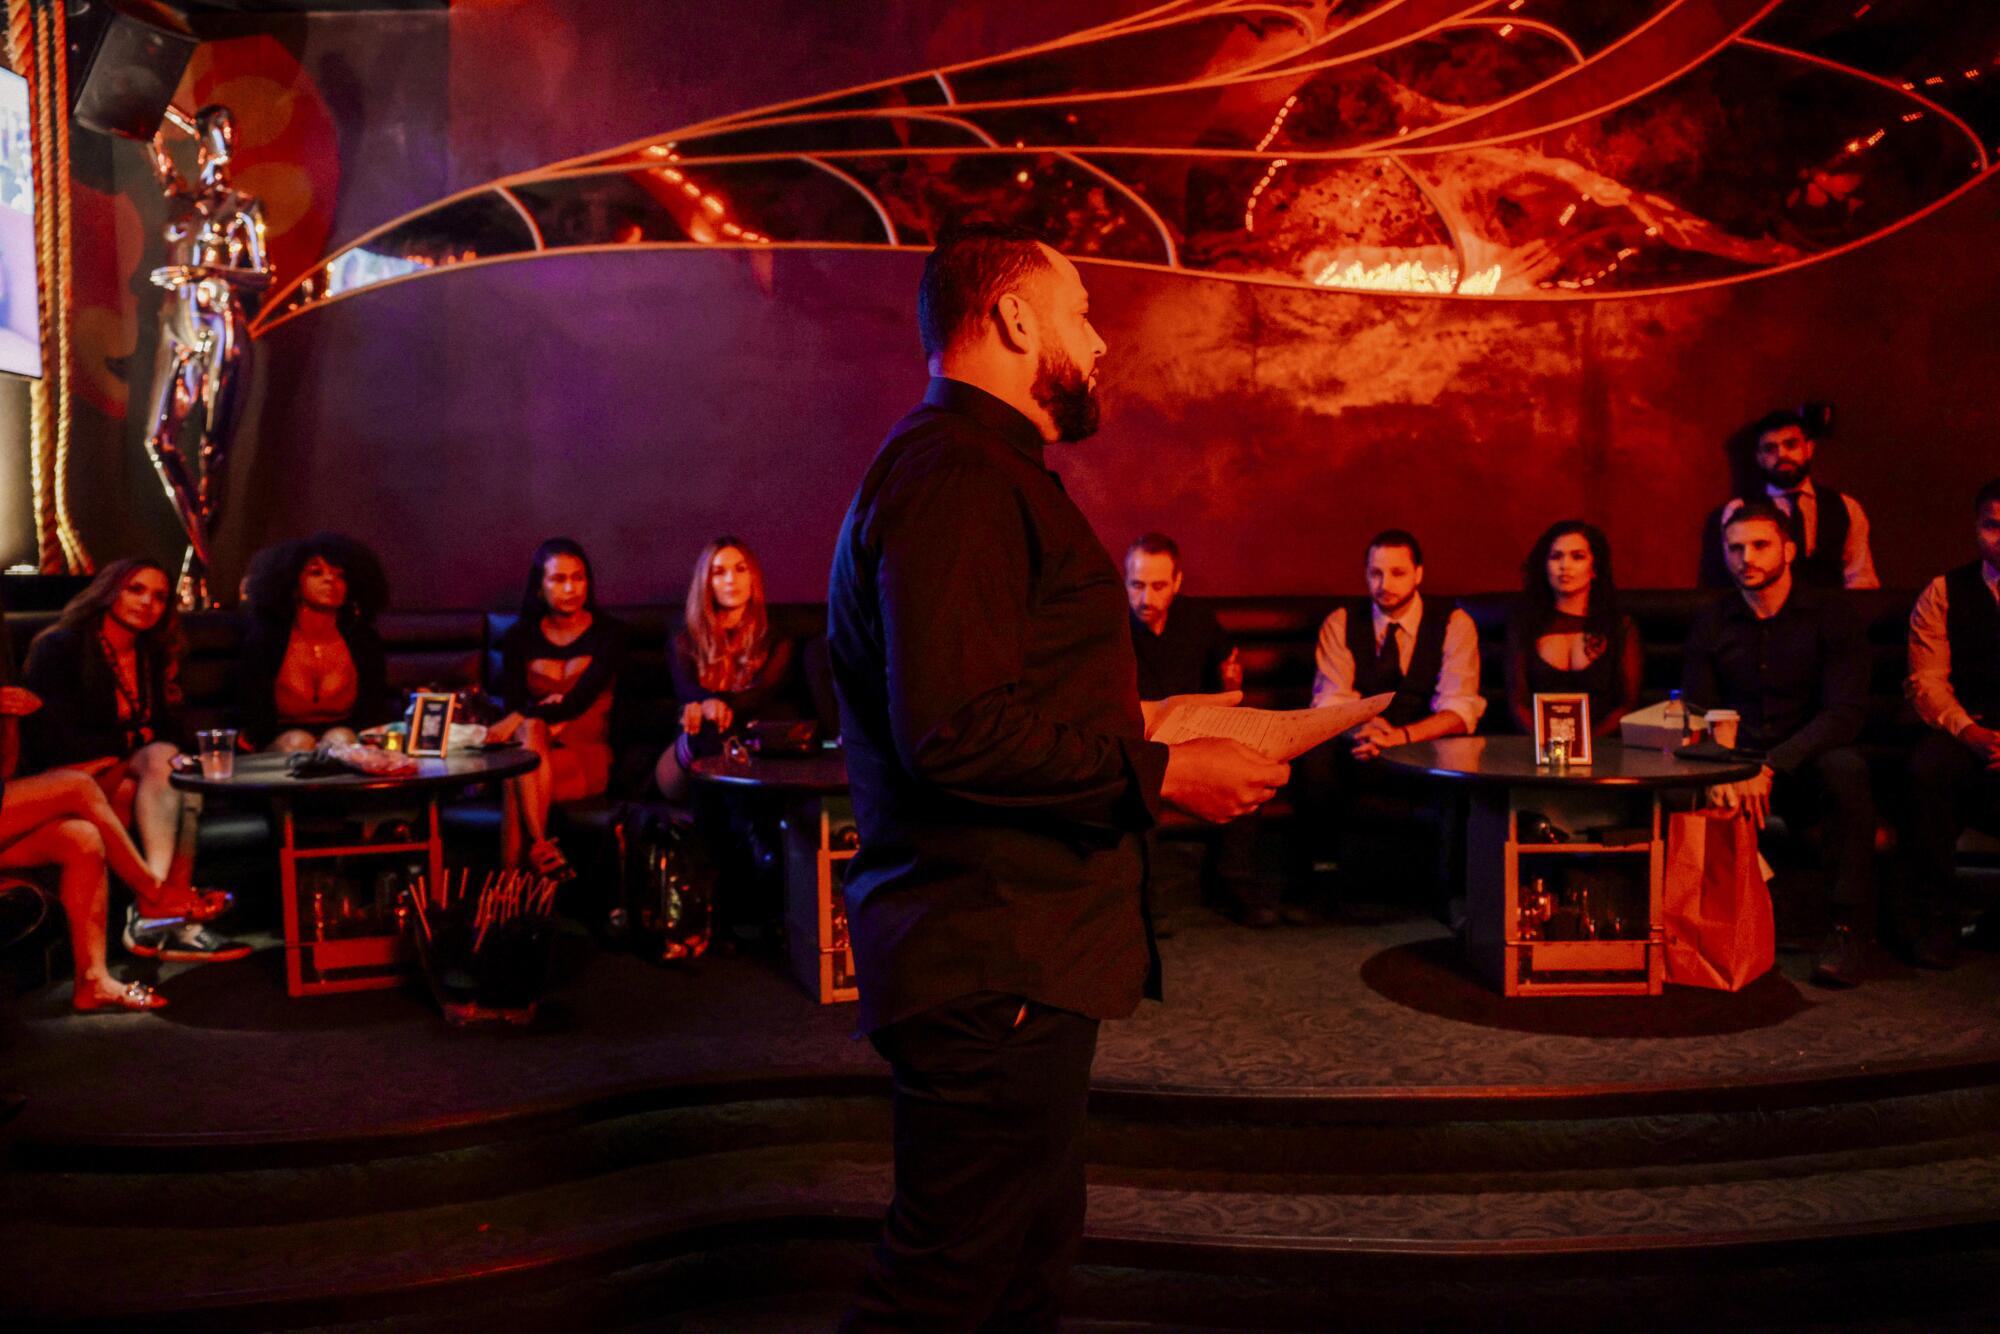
(1954, 683)
(1391, 642)
(1829, 528)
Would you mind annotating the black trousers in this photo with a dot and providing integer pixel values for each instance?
(989, 1201)
(1949, 789)
(1326, 785)
(1832, 791)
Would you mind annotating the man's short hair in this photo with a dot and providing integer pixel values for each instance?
(1398, 537)
(1756, 508)
(1988, 495)
(1155, 544)
(1777, 420)
(970, 268)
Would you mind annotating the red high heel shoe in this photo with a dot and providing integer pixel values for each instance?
(132, 996)
(190, 905)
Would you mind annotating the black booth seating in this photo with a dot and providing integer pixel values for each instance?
(452, 649)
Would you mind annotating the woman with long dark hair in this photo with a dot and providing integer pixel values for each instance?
(1568, 635)
(313, 668)
(108, 678)
(727, 666)
(559, 666)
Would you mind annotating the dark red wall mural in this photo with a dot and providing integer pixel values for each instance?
(1461, 267)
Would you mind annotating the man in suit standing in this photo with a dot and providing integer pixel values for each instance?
(1002, 783)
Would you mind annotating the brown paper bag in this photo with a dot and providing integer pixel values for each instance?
(1718, 909)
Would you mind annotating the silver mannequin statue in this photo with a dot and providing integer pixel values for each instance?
(216, 264)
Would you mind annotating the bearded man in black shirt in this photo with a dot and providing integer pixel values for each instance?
(1002, 783)
(1793, 661)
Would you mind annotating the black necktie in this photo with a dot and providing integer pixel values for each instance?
(1388, 661)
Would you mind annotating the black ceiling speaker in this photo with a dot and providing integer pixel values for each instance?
(124, 63)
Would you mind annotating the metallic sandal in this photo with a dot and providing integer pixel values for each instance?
(134, 996)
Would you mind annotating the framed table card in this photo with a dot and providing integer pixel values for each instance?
(1566, 717)
(430, 722)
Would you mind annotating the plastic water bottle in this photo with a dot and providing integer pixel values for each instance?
(1675, 721)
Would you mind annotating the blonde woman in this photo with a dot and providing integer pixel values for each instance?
(728, 668)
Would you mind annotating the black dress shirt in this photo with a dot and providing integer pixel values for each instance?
(1185, 658)
(990, 710)
(1799, 678)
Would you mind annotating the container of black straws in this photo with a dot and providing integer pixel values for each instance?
(484, 943)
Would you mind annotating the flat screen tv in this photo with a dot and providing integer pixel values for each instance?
(20, 341)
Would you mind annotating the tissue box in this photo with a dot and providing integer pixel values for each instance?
(1647, 728)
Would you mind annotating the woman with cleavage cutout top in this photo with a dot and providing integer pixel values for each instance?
(1568, 636)
(313, 667)
(559, 666)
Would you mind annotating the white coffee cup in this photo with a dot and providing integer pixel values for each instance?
(1722, 725)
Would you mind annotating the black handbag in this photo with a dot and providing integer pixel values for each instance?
(665, 885)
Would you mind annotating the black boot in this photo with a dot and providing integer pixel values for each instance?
(1935, 944)
(1841, 958)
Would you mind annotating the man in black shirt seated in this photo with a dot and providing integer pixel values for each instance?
(1182, 651)
(1793, 662)
(1954, 683)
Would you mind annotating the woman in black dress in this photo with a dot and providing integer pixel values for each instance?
(107, 676)
(559, 668)
(1568, 636)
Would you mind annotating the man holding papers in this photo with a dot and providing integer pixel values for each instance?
(1002, 781)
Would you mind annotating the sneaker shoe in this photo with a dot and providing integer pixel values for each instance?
(1840, 960)
(143, 936)
(194, 943)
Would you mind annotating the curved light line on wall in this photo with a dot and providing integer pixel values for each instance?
(1245, 279)
(888, 225)
(975, 131)
(1603, 109)
(1399, 143)
(765, 116)
(1528, 25)
(534, 228)
(1634, 35)
(944, 86)
(1894, 87)
(1153, 214)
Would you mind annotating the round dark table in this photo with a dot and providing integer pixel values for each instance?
(265, 775)
(821, 774)
(1509, 761)
(1619, 794)
(357, 962)
(806, 786)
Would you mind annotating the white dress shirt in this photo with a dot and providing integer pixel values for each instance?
(1928, 685)
(1458, 679)
(1857, 558)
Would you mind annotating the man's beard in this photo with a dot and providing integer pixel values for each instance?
(1064, 392)
(1787, 478)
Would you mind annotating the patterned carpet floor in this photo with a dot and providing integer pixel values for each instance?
(1328, 1010)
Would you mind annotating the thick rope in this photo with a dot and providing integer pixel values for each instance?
(73, 550)
(28, 55)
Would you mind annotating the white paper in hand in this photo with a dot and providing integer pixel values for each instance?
(1276, 734)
